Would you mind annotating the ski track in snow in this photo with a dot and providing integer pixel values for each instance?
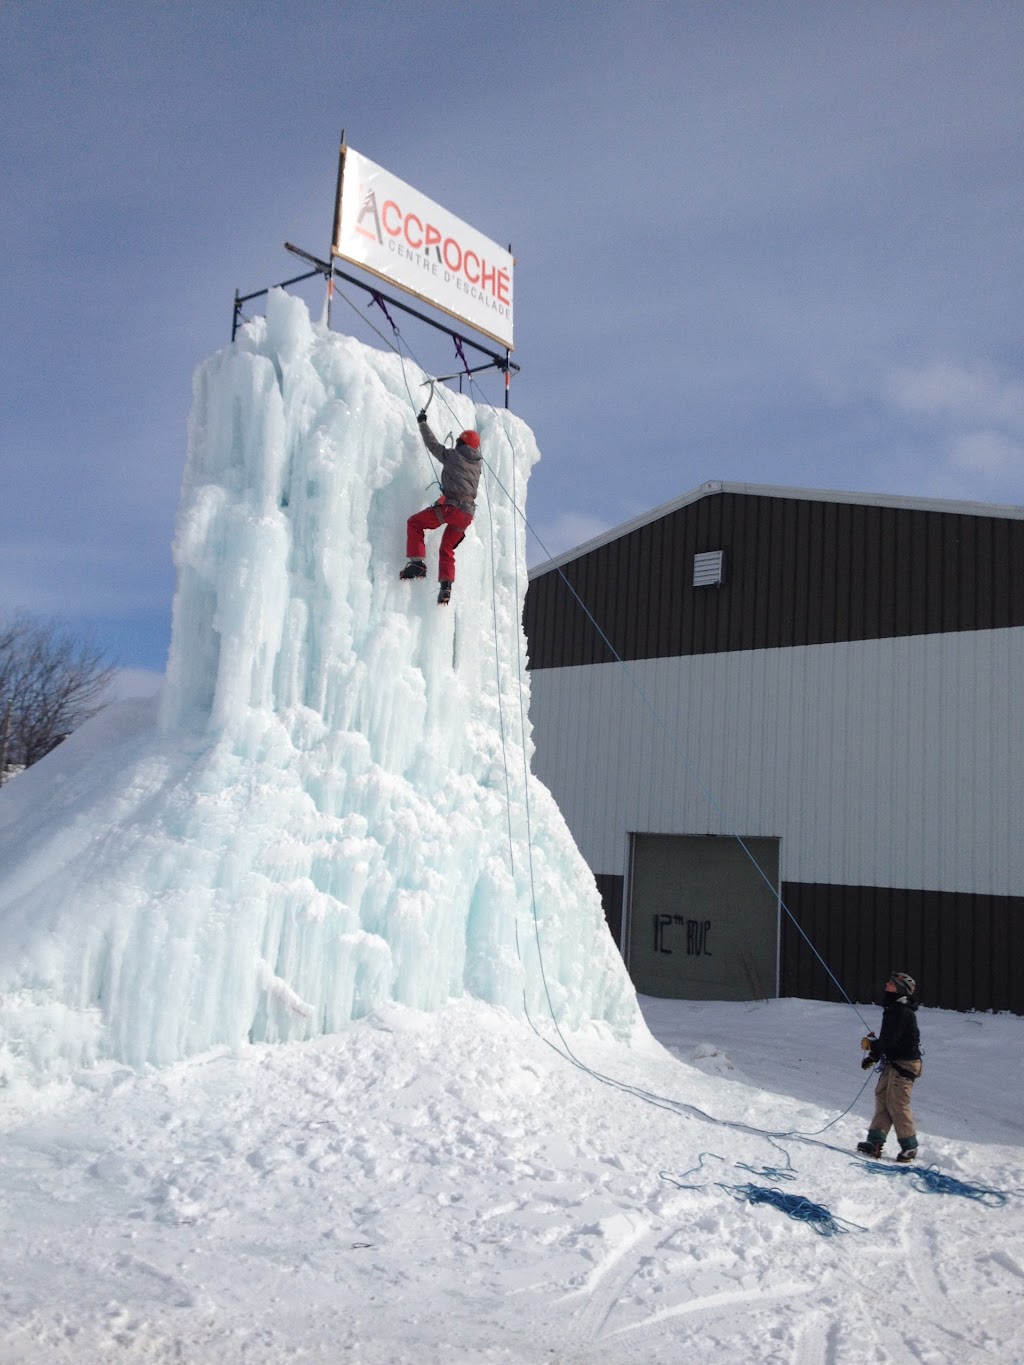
(446, 1189)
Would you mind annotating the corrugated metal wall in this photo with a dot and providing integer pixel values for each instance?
(964, 951)
(852, 688)
(891, 770)
(878, 763)
(797, 572)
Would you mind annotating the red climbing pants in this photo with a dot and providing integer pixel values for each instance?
(453, 519)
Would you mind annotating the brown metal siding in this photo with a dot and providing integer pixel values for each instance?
(611, 888)
(961, 948)
(797, 572)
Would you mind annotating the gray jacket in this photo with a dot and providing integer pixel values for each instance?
(460, 474)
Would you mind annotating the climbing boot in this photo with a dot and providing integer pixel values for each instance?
(414, 569)
(874, 1144)
(870, 1148)
(909, 1150)
(444, 592)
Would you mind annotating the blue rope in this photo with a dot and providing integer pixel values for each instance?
(765, 1172)
(678, 1180)
(814, 1132)
(772, 1172)
(797, 1206)
(624, 1087)
(930, 1180)
(653, 711)
(670, 735)
(566, 1051)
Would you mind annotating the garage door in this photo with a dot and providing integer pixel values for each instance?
(703, 922)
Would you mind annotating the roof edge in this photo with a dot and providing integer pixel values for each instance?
(712, 486)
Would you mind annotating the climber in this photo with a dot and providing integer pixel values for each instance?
(898, 1048)
(453, 510)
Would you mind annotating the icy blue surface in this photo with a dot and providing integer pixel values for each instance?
(332, 808)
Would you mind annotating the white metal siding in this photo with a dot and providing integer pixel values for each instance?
(896, 762)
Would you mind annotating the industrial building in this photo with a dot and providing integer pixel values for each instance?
(786, 729)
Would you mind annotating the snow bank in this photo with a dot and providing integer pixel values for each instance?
(333, 809)
(446, 1189)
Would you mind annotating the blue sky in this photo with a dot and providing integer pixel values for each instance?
(777, 243)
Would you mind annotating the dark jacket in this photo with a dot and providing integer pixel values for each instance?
(460, 475)
(899, 1039)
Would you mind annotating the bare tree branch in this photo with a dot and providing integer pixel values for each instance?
(50, 682)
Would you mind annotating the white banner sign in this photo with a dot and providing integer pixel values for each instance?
(395, 232)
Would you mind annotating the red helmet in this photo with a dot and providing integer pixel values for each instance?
(469, 438)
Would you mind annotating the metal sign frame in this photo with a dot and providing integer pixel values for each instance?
(496, 359)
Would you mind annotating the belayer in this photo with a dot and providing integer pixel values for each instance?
(898, 1048)
(454, 509)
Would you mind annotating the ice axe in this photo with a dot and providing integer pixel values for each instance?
(430, 395)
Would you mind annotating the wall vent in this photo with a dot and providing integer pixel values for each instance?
(708, 568)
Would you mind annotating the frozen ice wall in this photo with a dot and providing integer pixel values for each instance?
(333, 807)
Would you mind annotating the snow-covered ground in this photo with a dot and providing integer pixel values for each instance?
(448, 1188)
(278, 963)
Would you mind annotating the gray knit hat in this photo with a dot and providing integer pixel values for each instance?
(905, 985)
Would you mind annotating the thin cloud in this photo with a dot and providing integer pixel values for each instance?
(565, 532)
(977, 393)
(991, 453)
(129, 683)
(967, 431)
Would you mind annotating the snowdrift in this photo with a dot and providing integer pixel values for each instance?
(332, 806)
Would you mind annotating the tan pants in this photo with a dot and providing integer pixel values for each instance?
(892, 1100)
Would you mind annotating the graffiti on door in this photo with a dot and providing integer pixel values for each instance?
(693, 941)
